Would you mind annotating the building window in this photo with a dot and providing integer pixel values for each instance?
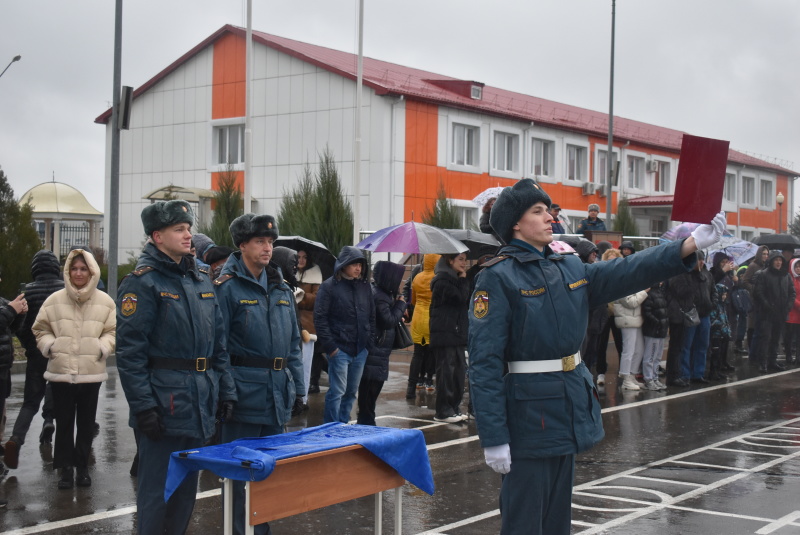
(229, 144)
(466, 142)
(506, 152)
(476, 92)
(542, 152)
(748, 190)
(729, 193)
(576, 163)
(657, 227)
(747, 235)
(661, 178)
(766, 198)
(602, 165)
(635, 172)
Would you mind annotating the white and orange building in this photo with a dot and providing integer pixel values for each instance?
(419, 130)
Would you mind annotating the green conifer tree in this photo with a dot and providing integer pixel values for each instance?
(624, 221)
(443, 214)
(227, 207)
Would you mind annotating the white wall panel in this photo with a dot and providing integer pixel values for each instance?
(177, 148)
(258, 97)
(167, 141)
(204, 67)
(270, 140)
(157, 151)
(188, 105)
(136, 150)
(284, 65)
(336, 132)
(272, 62)
(323, 88)
(147, 150)
(309, 92)
(284, 95)
(336, 83)
(258, 174)
(200, 138)
(348, 125)
(282, 145)
(188, 147)
(168, 107)
(259, 61)
(308, 148)
(295, 138)
(297, 66)
(202, 105)
(270, 97)
(296, 98)
(178, 112)
(322, 130)
(259, 127)
(267, 183)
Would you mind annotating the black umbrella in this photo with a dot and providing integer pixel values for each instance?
(319, 254)
(778, 241)
(479, 243)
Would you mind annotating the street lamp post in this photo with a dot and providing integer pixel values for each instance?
(16, 58)
(779, 198)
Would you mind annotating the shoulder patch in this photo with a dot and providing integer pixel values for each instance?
(202, 270)
(283, 302)
(495, 260)
(207, 295)
(141, 271)
(128, 304)
(578, 283)
(222, 278)
(480, 304)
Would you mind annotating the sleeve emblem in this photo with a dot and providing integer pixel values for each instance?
(128, 304)
(480, 304)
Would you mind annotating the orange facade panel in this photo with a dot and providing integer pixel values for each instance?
(239, 181)
(228, 80)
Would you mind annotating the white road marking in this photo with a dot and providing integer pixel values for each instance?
(781, 522)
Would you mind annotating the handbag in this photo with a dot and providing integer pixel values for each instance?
(691, 318)
(402, 336)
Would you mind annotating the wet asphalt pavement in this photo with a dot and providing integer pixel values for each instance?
(723, 459)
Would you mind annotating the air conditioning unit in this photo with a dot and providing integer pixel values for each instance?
(652, 166)
(588, 188)
(601, 191)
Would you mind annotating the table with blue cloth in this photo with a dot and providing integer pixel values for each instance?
(255, 459)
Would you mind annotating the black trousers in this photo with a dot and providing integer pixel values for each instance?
(771, 336)
(602, 344)
(674, 351)
(368, 392)
(74, 405)
(319, 364)
(451, 369)
(791, 340)
(35, 388)
(423, 364)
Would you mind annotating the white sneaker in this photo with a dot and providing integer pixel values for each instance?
(661, 386)
(651, 385)
(601, 379)
(454, 419)
(630, 383)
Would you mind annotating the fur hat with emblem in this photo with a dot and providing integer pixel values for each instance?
(164, 214)
(512, 203)
(248, 226)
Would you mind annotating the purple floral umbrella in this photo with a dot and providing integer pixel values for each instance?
(412, 237)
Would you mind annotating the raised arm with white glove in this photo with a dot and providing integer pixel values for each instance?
(498, 458)
(707, 235)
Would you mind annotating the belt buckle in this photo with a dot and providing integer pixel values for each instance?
(197, 364)
(277, 363)
(568, 363)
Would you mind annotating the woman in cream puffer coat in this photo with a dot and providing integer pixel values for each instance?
(628, 317)
(76, 329)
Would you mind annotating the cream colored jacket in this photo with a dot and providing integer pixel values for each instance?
(628, 310)
(76, 329)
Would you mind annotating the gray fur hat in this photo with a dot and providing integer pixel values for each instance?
(512, 204)
(593, 206)
(248, 226)
(163, 214)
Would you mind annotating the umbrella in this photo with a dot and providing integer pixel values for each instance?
(684, 230)
(740, 250)
(778, 241)
(479, 243)
(412, 237)
(484, 196)
(320, 254)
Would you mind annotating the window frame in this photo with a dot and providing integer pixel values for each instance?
(227, 125)
(636, 182)
(661, 184)
(771, 203)
(516, 156)
(743, 195)
(727, 189)
(477, 126)
(583, 169)
(602, 168)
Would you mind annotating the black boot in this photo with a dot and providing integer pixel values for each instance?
(66, 481)
(46, 436)
(411, 391)
(83, 479)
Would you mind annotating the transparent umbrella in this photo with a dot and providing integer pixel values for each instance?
(484, 196)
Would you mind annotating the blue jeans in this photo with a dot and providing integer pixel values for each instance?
(344, 375)
(695, 347)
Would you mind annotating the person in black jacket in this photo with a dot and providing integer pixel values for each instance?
(654, 329)
(344, 316)
(47, 279)
(699, 285)
(389, 308)
(773, 294)
(449, 304)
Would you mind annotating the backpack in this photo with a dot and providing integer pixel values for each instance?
(740, 298)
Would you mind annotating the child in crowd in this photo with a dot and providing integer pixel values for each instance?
(720, 334)
(654, 329)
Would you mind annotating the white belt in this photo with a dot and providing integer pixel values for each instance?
(543, 366)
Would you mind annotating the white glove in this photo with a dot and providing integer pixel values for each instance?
(498, 458)
(707, 235)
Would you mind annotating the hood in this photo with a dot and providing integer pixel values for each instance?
(584, 248)
(388, 276)
(721, 289)
(286, 260)
(350, 255)
(44, 264)
(719, 258)
(429, 262)
(772, 256)
(791, 267)
(627, 245)
(81, 294)
(202, 244)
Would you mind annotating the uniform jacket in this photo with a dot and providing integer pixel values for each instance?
(654, 311)
(421, 299)
(260, 323)
(388, 313)
(628, 310)
(587, 225)
(76, 328)
(169, 310)
(449, 303)
(534, 307)
(794, 314)
(46, 272)
(773, 292)
(344, 313)
(309, 281)
(10, 321)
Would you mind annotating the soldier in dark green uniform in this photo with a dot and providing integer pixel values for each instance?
(534, 399)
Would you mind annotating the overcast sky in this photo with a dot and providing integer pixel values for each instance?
(727, 69)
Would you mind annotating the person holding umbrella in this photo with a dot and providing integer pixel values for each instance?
(528, 315)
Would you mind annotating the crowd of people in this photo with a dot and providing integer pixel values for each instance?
(214, 344)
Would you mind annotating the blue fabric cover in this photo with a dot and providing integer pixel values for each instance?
(402, 449)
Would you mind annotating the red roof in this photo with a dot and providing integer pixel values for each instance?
(652, 200)
(390, 78)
